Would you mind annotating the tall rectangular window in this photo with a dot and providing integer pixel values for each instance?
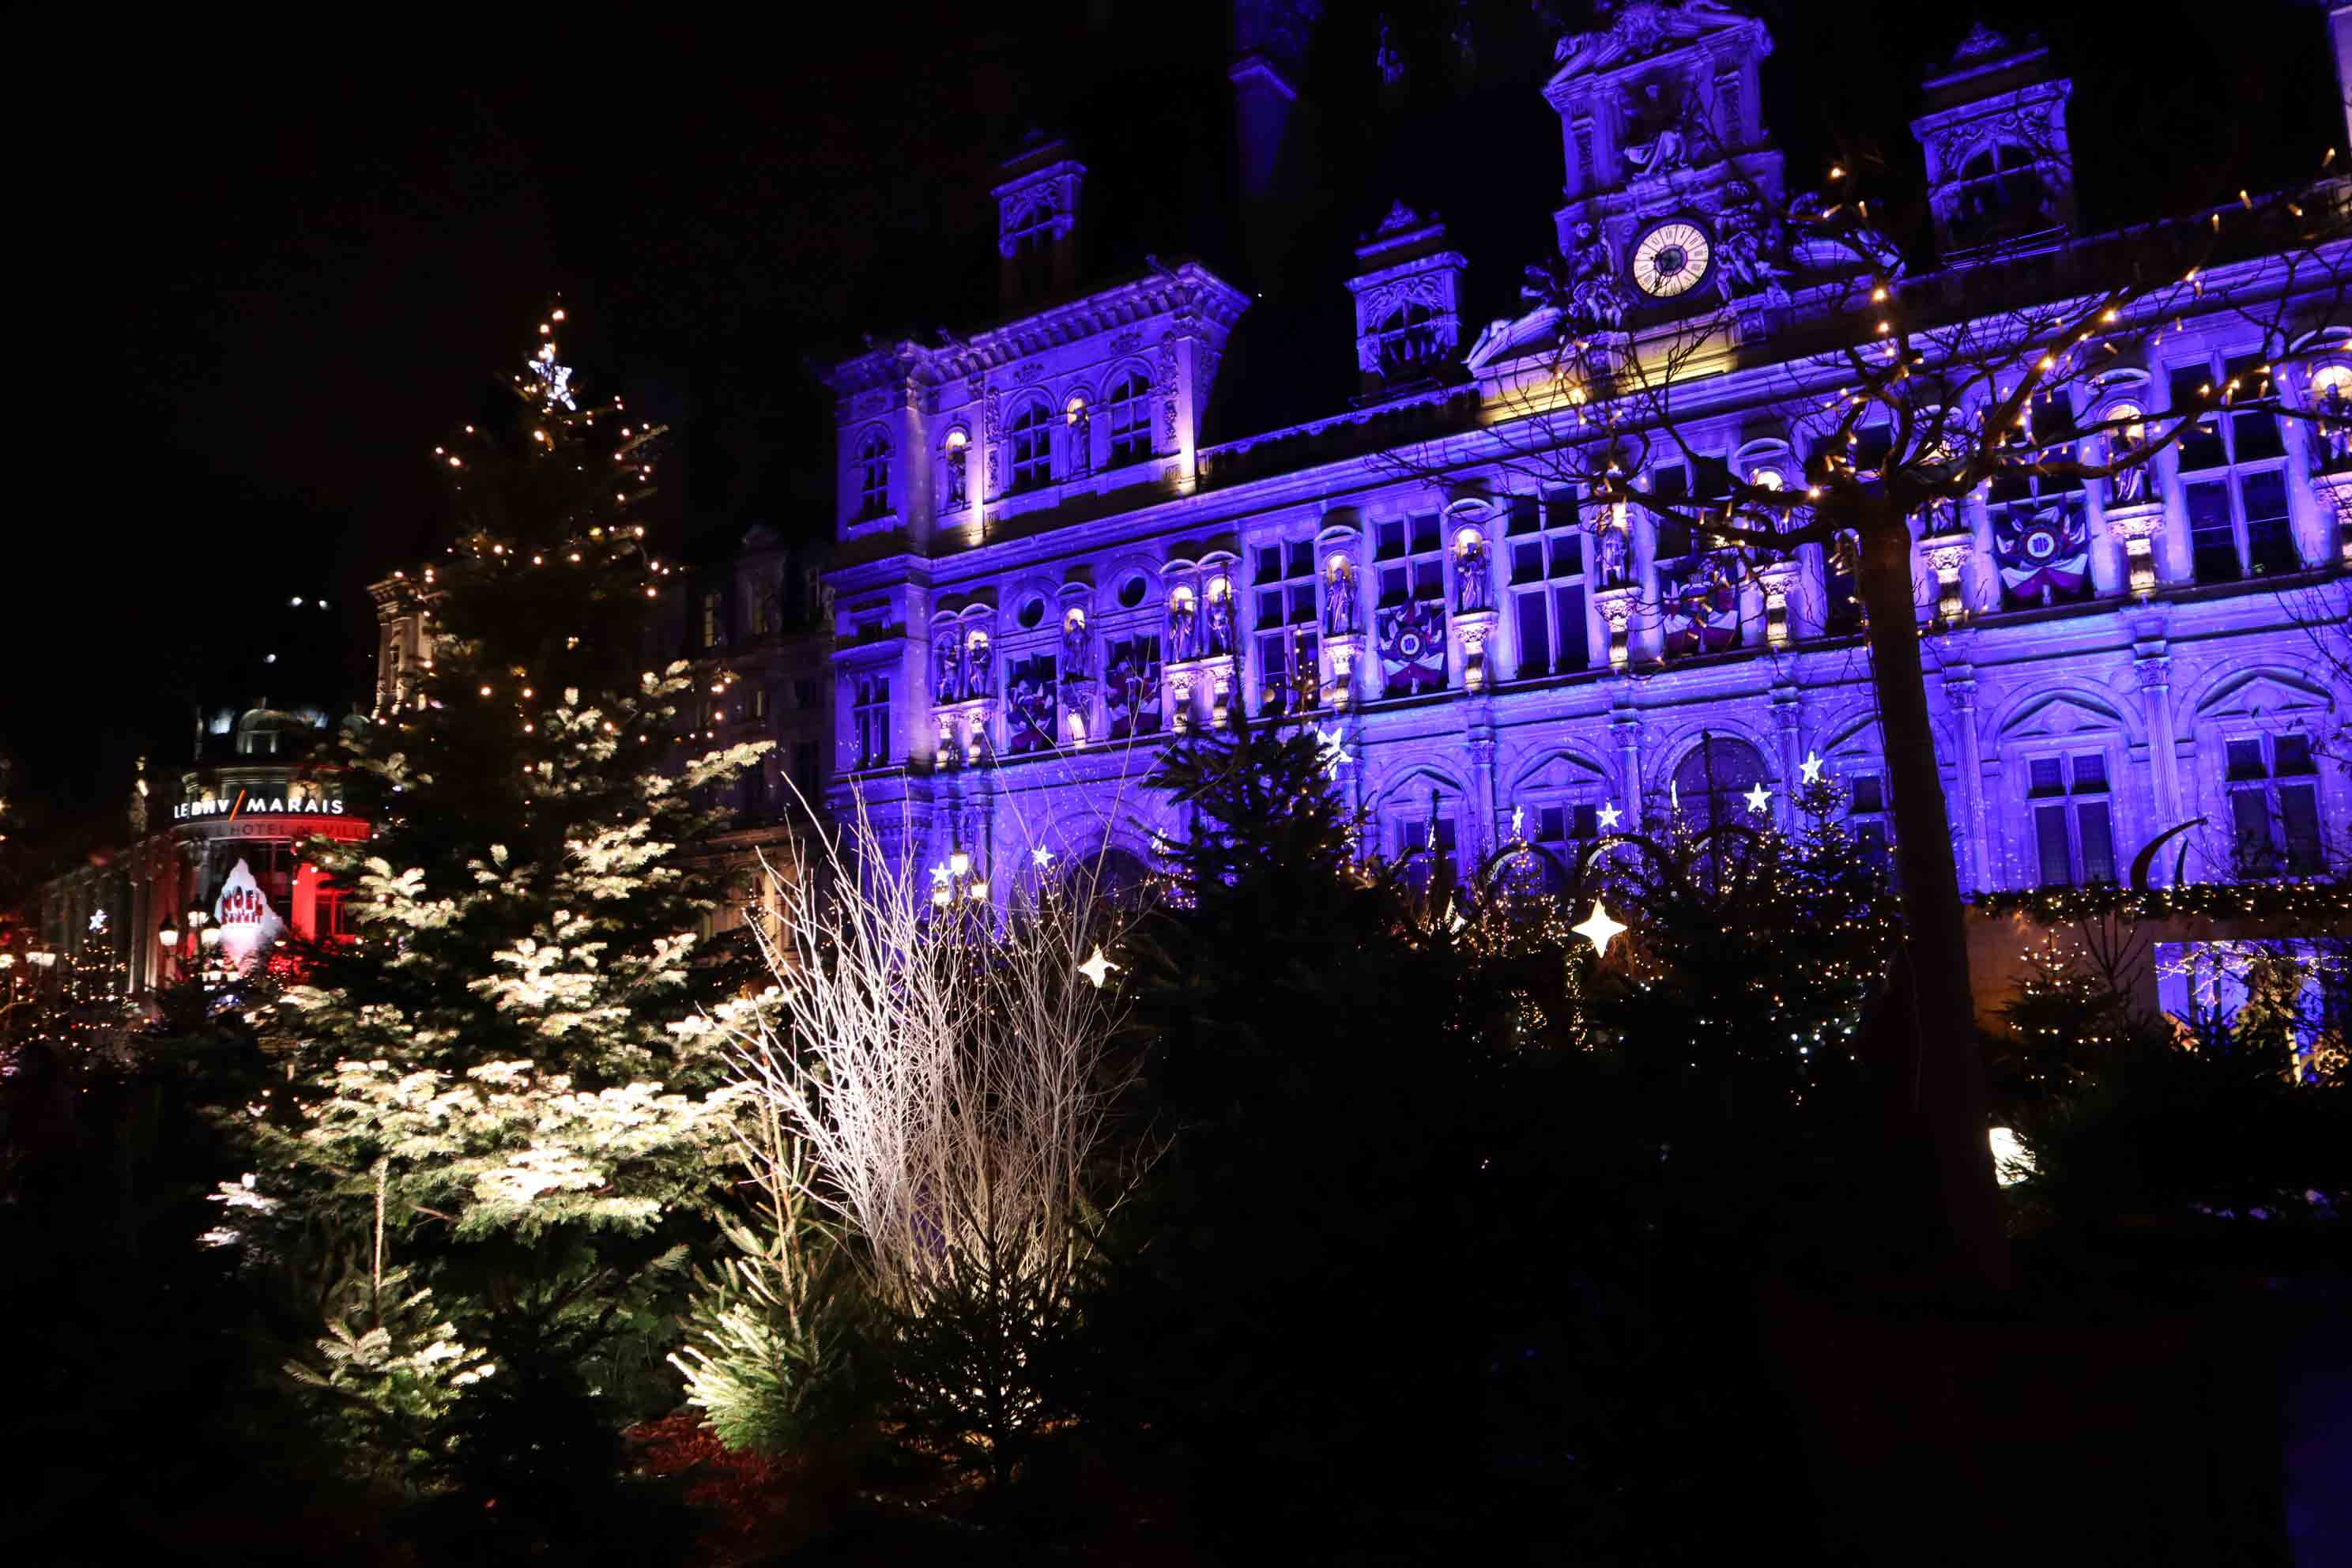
(2073, 827)
(1410, 623)
(2232, 470)
(2041, 538)
(1547, 584)
(1132, 687)
(2274, 806)
(1867, 819)
(1030, 697)
(1283, 584)
(870, 721)
(714, 624)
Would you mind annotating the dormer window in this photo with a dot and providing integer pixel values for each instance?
(1999, 195)
(1408, 339)
(874, 476)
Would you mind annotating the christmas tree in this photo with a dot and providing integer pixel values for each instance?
(501, 1129)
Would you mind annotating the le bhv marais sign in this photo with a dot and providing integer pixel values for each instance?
(244, 804)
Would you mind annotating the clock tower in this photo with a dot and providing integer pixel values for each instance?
(1675, 197)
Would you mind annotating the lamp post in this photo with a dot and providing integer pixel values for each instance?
(167, 936)
(955, 881)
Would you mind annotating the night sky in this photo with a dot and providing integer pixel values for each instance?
(263, 266)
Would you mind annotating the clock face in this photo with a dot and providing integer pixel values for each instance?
(1671, 257)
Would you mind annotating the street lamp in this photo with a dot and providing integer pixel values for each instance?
(169, 935)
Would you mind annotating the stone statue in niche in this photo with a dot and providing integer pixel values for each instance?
(1472, 587)
(1182, 625)
(1613, 556)
(1661, 130)
(1221, 619)
(959, 476)
(1074, 646)
(947, 682)
(1082, 440)
(2336, 423)
(1340, 607)
(2126, 486)
(976, 667)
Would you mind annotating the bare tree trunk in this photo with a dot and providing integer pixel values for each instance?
(1946, 1087)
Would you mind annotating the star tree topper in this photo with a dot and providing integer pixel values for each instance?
(554, 380)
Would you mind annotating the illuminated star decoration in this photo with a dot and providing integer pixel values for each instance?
(1675, 796)
(1610, 815)
(1041, 856)
(1598, 929)
(1334, 744)
(1096, 968)
(554, 380)
(1518, 824)
(941, 875)
(98, 919)
(1757, 798)
(1812, 766)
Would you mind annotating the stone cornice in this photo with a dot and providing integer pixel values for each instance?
(1189, 289)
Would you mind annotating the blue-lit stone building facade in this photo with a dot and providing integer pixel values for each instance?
(1042, 572)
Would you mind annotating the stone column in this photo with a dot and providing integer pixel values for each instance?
(1981, 571)
(2137, 531)
(1782, 583)
(2152, 666)
(1626, 727)
(1647, 633)
(1476, 629)
(2311, 515)
(1478, 836)
(1788, 722)
(2334, 492)
(1616, 608)
(1960, 695)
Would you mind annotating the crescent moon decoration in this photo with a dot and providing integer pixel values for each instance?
(2143, 862)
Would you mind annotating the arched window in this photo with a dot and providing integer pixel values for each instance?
(1114, 876)
(1408, 339)
(1082, 436)
(957, 455)
(1999, 196)
(1128, 410)
(873, 476)
(1715, 785)
(1032, 448)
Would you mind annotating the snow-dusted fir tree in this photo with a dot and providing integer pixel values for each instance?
(488, 1099)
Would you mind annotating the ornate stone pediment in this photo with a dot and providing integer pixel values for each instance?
(1641, 30)
(2061, 713)
(2260, 693)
